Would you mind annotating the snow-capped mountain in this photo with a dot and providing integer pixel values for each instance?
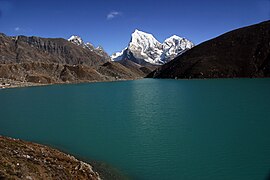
(144, 47)
(77, 40)
(175, 46)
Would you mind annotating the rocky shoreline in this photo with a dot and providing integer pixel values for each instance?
(9, 83)
(26, 160)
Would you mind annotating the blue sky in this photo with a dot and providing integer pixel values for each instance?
(109, 23)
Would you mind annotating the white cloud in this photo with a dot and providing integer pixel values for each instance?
(113, 14)
(16, 29)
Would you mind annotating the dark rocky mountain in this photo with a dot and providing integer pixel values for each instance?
(56, 60)
(244, 52)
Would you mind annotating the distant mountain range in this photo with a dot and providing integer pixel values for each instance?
(244, 52)
(57, 60)
(143, 48)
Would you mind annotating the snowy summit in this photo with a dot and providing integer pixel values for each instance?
(77, 40)
(145, 48)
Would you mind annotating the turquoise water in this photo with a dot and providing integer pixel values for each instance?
(151, 129)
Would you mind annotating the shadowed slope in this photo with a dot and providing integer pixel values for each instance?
(243, 52)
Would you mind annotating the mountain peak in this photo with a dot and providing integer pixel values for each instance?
(99, 47)
(142, 44)
(141, 34)
(174, 37)
(77, 40)
(144, 47)
(136, 31)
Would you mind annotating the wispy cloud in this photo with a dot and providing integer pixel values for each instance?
(17, 29)
(113, 14)
(22, 30)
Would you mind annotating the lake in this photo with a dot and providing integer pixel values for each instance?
(151, 129)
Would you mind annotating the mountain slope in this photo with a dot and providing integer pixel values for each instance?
(52, 50)
(244, 52)
(56, 60)
(143, 48)
(25, 160)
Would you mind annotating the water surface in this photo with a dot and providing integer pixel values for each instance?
(151, 129)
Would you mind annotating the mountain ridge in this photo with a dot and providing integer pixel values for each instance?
(25, 60)
(77, 40)
(145, 48)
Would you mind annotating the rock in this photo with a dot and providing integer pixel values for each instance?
(34, 161)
